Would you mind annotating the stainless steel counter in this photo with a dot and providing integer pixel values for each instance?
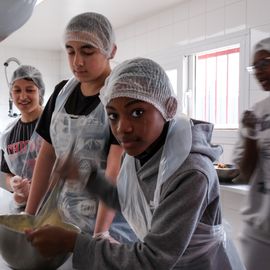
(6, 207)
(242, 189)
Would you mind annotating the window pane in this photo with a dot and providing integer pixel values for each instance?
(217, 86)
(172, 74)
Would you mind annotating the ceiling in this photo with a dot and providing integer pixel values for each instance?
(45, 28)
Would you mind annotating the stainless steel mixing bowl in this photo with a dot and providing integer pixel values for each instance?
(18, 252)
(228, 173)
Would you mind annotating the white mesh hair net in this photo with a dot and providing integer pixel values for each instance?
(141, 79)
(263, 45)
(29, 72)
(91, 28)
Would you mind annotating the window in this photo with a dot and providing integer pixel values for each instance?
(172, 74)
(212, 86)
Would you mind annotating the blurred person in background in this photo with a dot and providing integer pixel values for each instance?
(252, 155)
(74, 113)
(19, 141)
(13, 15)
(167, 188)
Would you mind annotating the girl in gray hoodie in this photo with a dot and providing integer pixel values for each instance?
(167, 188)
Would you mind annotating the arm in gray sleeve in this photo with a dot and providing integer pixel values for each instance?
(183, 202)
(99, 185)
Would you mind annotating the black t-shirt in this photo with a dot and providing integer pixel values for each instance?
(77, 104)
(17, 139)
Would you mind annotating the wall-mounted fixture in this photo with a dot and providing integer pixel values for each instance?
(10, 103)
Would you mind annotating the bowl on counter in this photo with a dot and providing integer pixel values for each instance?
(226, 172)
(18, 252)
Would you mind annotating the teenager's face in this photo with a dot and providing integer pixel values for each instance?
(262, 68)
(86, 62)
(25, 95)
(134, 123)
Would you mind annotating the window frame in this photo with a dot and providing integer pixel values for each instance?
(243, 40)
(205, 61)
(174, 57)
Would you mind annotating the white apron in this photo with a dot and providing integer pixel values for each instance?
(22, 162)
(91, 135)
(206, 239)
(133, 203)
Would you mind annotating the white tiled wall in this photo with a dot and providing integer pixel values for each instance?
(257, 12)
(48, 62)
(235, 17)
(191, 21)
(213, 28)
(196, 22)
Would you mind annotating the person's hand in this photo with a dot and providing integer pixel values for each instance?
(249, 120)
(51, 241)
(67, 167)
(250, 125)
(21, 188)
(105, 235)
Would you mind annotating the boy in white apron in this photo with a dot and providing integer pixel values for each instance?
(167, 188)
(20, 143)
(74, 112)
(252, 154)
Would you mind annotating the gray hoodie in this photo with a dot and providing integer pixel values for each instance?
(188, 199)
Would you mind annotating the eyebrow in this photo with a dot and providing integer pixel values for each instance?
(27, 86)
(134, 101)
(129, 103)
(86, 46)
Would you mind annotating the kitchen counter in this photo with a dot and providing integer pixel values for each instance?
(233, 200)
(241, 189)
(6, 207)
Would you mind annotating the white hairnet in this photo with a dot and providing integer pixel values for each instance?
(91, 28)
(14, 14)
(29, 72)
(263, 45)
(141, 79)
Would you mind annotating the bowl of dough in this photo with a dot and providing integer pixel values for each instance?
(226, 172)
(17, 252)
